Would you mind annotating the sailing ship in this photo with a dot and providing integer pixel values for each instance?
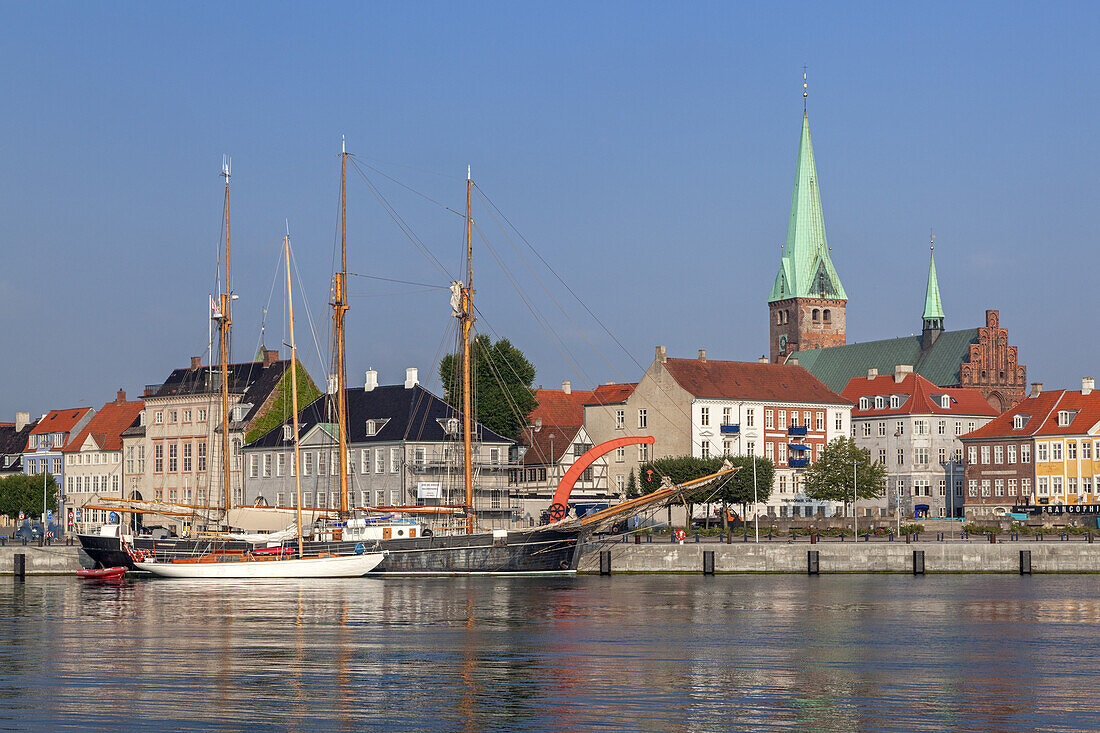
(408, 545)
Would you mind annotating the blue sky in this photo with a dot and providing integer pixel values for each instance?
(645, 150)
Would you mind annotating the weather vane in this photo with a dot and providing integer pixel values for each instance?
(804, 86)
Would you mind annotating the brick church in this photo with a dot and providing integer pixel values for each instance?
(807, 316)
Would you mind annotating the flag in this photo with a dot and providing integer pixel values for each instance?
(212, 306)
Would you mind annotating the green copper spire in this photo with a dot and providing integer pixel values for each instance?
(806, 270)
(933, 308)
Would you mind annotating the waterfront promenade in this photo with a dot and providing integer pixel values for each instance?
(976, 555)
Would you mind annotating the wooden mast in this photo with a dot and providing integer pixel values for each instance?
(339, 309)
(467, 322)
(224, 323)
(294, 390)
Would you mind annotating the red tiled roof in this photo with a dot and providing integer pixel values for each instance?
(610, 394)
(1042, 413)
(556, 407)
(542, 449)
(106, 426)
(918, 391)
(60, 421)
(739, 380)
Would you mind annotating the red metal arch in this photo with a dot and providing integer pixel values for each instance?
(565, 486)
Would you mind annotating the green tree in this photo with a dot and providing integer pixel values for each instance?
(279, 411)
(631, 485)
(679, 470)
(21, 493)
(738, 489)
(501, 378)
(831, 477)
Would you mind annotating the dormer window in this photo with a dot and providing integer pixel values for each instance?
(288, 432)
(945, 402)
(895, 402)
(864, 403)
(879, 403)
(1018, 421)
(1065, 417)
(372, 428)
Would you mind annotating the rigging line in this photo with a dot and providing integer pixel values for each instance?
(270, 296)
(411, 168)
(512, 404)
(559, 277)
(402, 224)
(305, 306)
(552, 298)
(423, 395)
(554, 335)
(399, 292)
(403, 282)
(413, 190)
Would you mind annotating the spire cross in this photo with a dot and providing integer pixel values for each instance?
(932, 242)
(804, 92)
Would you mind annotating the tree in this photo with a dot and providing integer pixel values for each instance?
(631, 485)
(739, 490)
(841, 462)
(501, 378)
(20, 493)
(680, 470)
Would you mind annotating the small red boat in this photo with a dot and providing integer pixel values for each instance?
(115, 573)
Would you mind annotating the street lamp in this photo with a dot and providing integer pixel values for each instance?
(755, 497)
(855, 514)
(897, 481)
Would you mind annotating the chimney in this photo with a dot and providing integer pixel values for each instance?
(371, 380)
(1087, 385)
(702, 354)
(566, 386)
(22, 420)
(762, 360)
(872, 373)
(120, 396)
(538, 424)
(196, 362)
(901, 371)
(270, 357)
(332, 385)
(792, 360)
(1036, 389)
(661, 356)
(411, 379)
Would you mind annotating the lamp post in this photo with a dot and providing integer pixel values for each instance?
(897, 481)
(755, 497)
(855, 514)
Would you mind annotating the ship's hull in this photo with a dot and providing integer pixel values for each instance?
(343, 566)
(533, 551)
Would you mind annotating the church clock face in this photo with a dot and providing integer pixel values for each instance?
(782, 341)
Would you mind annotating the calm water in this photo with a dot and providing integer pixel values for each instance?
(654, 653)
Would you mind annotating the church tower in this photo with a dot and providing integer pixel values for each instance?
(933, 308)
(807, 302)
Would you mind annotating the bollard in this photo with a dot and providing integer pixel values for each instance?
(992, 538)
(637, 539)
(918, 562)
(1088, 538)
(605, 562)
(813, 565)
(966, 535)
(729, 538)
(1025, 562)
(813, 538)
(907, 538)
(20, 565)
(672, 538)
(708, 562)
(696, 538)
(649, 538)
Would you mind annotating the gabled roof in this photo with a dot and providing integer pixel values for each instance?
(612, 394)
(13, 441)
(542, 449)
(558, 407)
(750, 380)
(413, 414)
(1042, 416)
(806, 270)
(252, 380)
(918, 392)
(60, 421)
(939, 364)
(107, 425)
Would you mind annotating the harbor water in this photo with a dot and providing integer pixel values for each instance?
(648, 653)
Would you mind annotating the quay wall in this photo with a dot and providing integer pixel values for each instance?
(846, 557)
(54, 560)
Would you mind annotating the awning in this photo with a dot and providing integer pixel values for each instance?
(798, 446)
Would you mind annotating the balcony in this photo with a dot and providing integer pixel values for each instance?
(798, 462)
(730, 429)
(796, 430)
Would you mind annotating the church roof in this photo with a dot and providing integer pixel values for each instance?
(750, 380)
(939, 364)
(933, 308)
(806, 270)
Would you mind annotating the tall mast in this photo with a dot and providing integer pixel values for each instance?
(467, 322)
(224, 323)
(339, 309)
(294, 390)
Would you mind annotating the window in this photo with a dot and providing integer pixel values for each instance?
(895, 402)
(880, 402)
(750, 446)
(171, 417)
(364, 462)
(1056, 485)
(943, 487)
(1065, 417)
(998, 454)
(972, 454)
(1086, 450)
(782, 454)
(704, 449)
(941, 427)
(882, 456)
(187, 458)
(280, 464)
(1012, 487)
(114, 482)
(1018, 422)
(782, 483)
(900, 431)
(826, 315)
(901, 456)
(1071, 450)
(866, 429)
(1056, 451)
(750, 419)
(945, 402)
(820, 422)
(620, 484)
(620, 454)
(267, 465)
(727, 447)
(921, 456)
(129, 459)
(253, 468)
(173, 457)
(395, 497)
(186, 416)
(727, 416)
(642, 419)
(333, 463)
(769, 419)
(372, 427)
(769, 451)
(783, 420)
(1071, 485)
(419, 456)
(1043, 486)
(864, 403)
(943, 455)
(322, 500)
(1025, 487)
(202, 414)
(620, 419)
(704, 416)
(158, 417)
(1011, 453)
(882, 429)
(307, 463)
(1086, 484)
(1025, 453)
(322, 463)
(395, 460)
(643, 452)
(141, 459)
(999, 487)
(380, 463)
(236, 454)
(794, 418)
(1040, 451)
(920, 427)
(986, 488)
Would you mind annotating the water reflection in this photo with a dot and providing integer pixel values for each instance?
(660, 653)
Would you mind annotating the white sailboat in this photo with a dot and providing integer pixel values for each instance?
(277, 563)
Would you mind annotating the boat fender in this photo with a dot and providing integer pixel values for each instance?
(680, 536)
(359, 549)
